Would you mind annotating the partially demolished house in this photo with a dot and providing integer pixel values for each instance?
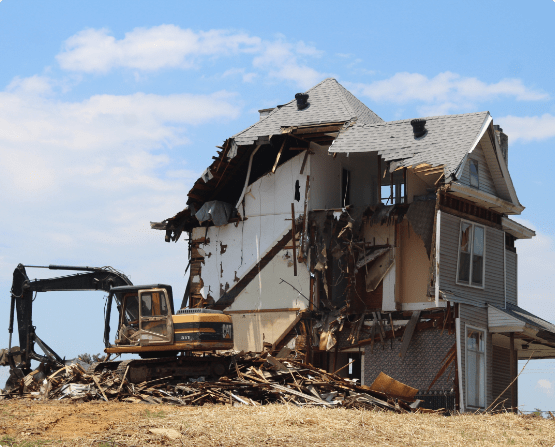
(368, 246)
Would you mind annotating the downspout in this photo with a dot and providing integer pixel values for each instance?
(459, 363)
(247, 178)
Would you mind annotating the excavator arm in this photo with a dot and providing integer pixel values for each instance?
(23, 289)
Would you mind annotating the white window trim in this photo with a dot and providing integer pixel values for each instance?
(483, 286)
(466, 327)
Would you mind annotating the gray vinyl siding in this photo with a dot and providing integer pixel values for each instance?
(501, 378)
(484, 175)
(476, 317)
(511, 279)
(494, 280)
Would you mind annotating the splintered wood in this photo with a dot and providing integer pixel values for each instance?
(252, 379)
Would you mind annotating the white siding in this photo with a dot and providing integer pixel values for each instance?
(478, 318)
(494, 287)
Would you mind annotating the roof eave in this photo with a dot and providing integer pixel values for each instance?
(485, 199)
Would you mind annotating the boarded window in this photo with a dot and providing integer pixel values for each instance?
(471, 255)
(474, 177)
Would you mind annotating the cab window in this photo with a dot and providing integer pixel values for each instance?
(153, 304)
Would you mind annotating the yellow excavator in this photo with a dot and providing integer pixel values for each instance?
(179, 345)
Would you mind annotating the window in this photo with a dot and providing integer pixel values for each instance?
(474, 176)
(475, 368)
(471, 255)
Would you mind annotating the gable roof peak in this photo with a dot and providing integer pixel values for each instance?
(328, 101)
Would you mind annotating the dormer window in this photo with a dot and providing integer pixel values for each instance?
(474, 177)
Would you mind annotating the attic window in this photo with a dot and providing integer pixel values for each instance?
(474, 176)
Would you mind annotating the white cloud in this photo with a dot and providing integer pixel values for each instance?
(169, 46)
(445, 91)
(528, 128)
(83, 179)
(286, 61)
(545, 386)
(164, 46)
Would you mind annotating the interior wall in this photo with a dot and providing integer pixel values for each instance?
(252, 329)
(414, 270)
(232, 250)
(325, 184)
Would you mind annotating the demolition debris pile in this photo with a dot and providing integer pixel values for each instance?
(253, 379)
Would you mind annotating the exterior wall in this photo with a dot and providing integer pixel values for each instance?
(494, 282)
(414, 266)
(485, 178)
(420, 365)
(501, 370)
(234, 249)
(477, 317)
(511, 262)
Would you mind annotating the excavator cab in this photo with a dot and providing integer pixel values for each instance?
(145, 317)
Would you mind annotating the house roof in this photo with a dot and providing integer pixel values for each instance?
(329, 102)
(448, 140)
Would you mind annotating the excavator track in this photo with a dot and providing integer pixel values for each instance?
(178, 368)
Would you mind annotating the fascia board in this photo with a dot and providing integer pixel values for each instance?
(505, 171)
(517, 230)
(483, 130)
(508, 207)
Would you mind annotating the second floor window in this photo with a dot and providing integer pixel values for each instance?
(471, 255)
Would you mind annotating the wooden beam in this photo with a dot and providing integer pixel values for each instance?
(409, 331)
(305, 158)
(278, 156)
(293, 233)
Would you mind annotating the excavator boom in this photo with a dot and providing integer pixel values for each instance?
(23, 289)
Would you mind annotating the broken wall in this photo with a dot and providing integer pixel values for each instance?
(230, 251)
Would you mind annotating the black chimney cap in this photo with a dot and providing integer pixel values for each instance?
(302, 100)
(419, 127)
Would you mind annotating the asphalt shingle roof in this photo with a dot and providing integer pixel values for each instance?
(329, 102)
(448, 140)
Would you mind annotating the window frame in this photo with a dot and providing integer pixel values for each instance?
(469, 284)
(472, 161)
(485, 387)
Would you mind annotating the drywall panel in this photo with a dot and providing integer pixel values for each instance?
(267, 291)
(252, 329)
(414, 265)
(232, 250)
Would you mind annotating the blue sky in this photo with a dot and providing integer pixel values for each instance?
(109, 111)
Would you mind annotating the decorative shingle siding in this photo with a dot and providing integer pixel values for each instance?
(494, 283)
(420, 365)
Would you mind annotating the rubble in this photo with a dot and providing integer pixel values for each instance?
(253, 379)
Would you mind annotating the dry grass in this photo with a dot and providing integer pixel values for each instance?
(23, 423)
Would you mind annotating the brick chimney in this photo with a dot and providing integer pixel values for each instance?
(503, 141)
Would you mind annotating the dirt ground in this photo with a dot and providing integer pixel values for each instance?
(26, 423)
